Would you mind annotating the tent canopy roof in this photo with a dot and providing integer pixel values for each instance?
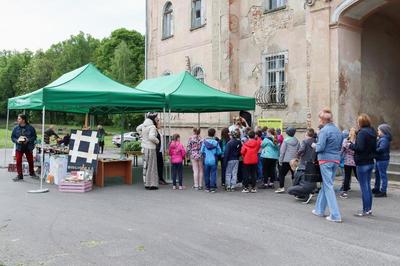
(87, 90)
(184, 93)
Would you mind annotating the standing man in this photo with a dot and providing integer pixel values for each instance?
(24, 137)
(49, 133)
(328, 150)
(101, 134)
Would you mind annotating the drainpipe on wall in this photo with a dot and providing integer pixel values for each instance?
(146, 37)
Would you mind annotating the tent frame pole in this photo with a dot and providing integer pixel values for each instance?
(41, 190)
(198, 120)
(164, 143)
(6, 138)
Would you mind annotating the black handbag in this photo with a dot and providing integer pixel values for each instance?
(313, 172)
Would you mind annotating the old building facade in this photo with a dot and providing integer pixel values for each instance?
(294, 56)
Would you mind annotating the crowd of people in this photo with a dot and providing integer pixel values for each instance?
(248, 155)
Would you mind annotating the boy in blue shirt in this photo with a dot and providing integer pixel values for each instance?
(210, 150)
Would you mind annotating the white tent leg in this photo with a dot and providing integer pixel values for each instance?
(41, 190)
(165, 144)
(6, 138)
(122, 156)
(198, 120)
(169, 134)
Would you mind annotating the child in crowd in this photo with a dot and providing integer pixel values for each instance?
(231, 158)
(279, 134)
(307, 153)
(302, 188)
(210, 150)
(349, 164)
(250, 160)
(177, 153)
(288, 152)
(196, 158)
(269, 157)
(222, 144)
(382, 160)
(259, 165)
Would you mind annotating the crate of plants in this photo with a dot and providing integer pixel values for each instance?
(133, 148)
(77, 181)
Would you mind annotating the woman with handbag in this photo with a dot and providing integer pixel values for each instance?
(328, 150)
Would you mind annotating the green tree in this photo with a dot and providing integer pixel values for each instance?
(122, 68)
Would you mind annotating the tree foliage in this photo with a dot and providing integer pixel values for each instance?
(120, 56)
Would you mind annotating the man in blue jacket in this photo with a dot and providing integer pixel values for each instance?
(24, 137)
(328, 150)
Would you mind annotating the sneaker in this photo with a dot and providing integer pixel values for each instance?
(253, 190)
(271, 185)
(153, 188)
(195, 188)
(299, 198)
(329, 218)
(174, 187)
(233, 189)
(180, 187)
(213, 190)
(245, 190)
(308, 199)
(343, 195)
(375, 191)
(228, 189)
(207, 190)
(317, 214)
(280, 190)
(18, 178)
(380, 195)
(363, 214)
(200, 188)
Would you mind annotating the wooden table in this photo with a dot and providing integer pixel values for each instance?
(113, 168)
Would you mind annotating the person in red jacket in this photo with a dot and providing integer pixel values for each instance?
(250, 160)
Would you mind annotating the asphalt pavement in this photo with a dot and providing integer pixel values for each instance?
(127, 225)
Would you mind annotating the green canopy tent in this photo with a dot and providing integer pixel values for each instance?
(185, 94)
(86, 90)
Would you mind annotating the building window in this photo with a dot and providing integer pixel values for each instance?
(274, 90)
(198, 14)
(272, 5)
(168, 21)
(198, 73)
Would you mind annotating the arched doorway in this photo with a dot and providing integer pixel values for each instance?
(369, 62)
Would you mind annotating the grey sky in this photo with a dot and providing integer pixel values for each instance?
(37, 24)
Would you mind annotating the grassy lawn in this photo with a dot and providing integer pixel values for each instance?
(109, 130)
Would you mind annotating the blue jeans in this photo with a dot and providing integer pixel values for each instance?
(177, 170)
(260, 168)
(210, 176)
(381, 175)
(364, 173)
(327, 196)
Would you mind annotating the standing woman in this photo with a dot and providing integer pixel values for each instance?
(222, 144)
(364, 147)
(269, 158)
(159, 151)
(382, 160)
(193, 151)
(328, 150)
(148, 132)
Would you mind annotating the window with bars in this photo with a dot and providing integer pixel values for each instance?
(271, 5)
(167, 21)
(198, 18)
(198, 73)
(274, 90)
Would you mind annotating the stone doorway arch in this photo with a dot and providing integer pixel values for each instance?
(368, 61)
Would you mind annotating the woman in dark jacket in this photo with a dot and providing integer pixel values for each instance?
(382, 160)
(364, 147)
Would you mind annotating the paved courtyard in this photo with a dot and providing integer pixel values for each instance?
(126, 225)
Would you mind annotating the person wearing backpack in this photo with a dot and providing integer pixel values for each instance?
(210, 151)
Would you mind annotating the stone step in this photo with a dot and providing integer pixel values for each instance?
(394, 167)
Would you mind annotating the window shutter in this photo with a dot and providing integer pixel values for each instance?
(203, 12)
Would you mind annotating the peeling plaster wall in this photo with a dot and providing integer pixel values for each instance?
(381, 72)
(279, 31)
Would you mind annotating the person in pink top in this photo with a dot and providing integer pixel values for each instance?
(196, 158)
(177, 153)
